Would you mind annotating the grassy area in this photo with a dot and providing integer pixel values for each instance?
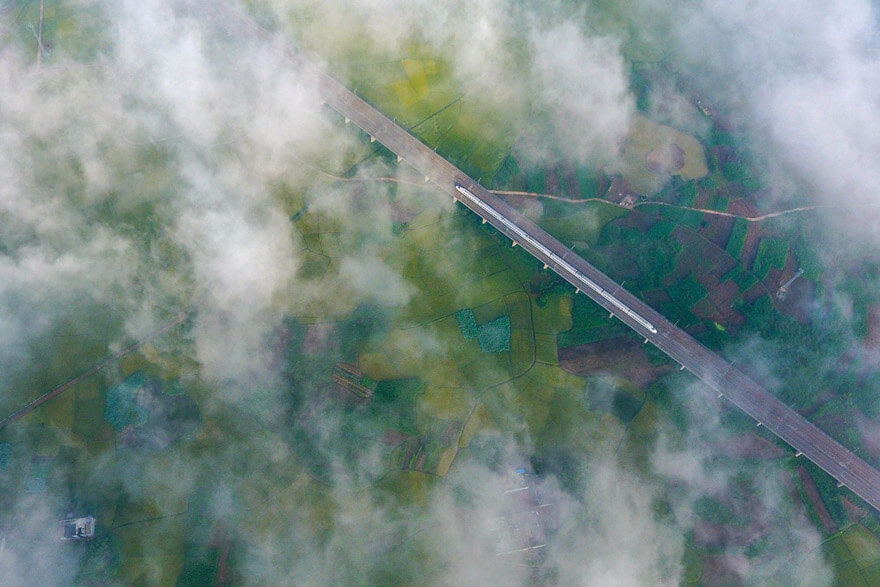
(554, 315)
(583, 222)
(646, 137)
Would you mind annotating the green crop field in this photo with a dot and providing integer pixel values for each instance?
(743, 278)
(772, 253)
(864, 546)
(738, 237)
(688, 218)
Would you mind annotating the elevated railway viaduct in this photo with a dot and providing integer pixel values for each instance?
(716, 372)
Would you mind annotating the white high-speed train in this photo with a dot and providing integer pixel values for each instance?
(559, 261)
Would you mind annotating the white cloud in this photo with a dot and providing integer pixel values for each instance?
(230, 120)
(802, 77)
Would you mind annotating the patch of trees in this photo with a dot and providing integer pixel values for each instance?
(772, 253)
(494, 336)
(687, 291)
(654, 257)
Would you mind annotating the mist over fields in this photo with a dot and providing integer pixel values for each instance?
(158, 162)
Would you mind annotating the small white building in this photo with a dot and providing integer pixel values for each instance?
(78, 528)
